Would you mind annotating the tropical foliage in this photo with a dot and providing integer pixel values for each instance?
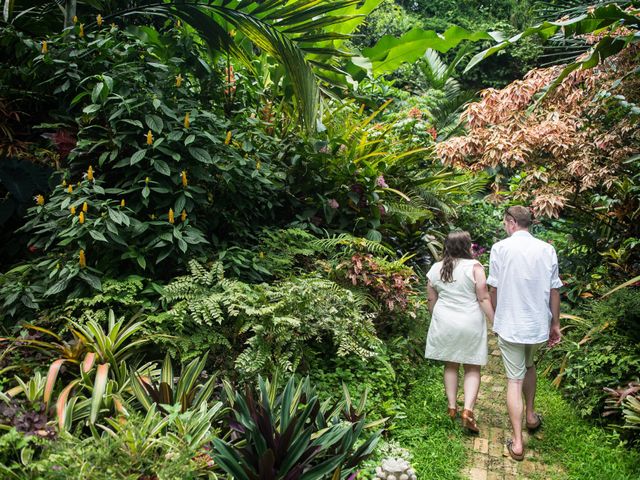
(216, 218)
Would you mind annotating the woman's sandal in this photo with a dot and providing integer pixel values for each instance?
(532, 427)
(518, 457)
(452, 412)
(469, 422)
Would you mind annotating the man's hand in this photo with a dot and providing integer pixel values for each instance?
(554, 335)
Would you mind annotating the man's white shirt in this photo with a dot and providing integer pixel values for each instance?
(524, 270)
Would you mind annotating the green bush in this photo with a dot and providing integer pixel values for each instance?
(151, 446)
(600, 349)
(290, 433)
(265, 327)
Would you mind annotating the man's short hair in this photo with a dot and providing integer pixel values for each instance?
(521, 215)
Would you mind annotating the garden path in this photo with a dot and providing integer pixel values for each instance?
(488, 458)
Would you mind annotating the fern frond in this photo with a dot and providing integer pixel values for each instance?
(408, 211)
(331, 244)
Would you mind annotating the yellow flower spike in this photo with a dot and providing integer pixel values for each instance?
(40, 200)
(178, 80)
(122, 203)
(99, 20)
(75, 19)
(178, 23)
(85, 207)
(171, 219)
(70, 189)
(72, 210)
(44, 47)
(261, 254)
(146, 180)
(149, 138)
(81, 218)
(81, 33)
(227, 140)
(184, 179)
(183, 215)
(153, 216)
(186, 120)
(258, 165)
(90, 173)
(64, 183)
(82, 259)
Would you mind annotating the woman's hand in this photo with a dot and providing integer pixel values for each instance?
(432, 297)
(482, 293)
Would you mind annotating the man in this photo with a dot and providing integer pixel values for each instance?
(523, 272)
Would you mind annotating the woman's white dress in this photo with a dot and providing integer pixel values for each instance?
(458, 330)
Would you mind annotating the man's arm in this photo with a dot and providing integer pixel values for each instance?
(554, 305)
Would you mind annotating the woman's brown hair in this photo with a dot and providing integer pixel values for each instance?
(456, 245)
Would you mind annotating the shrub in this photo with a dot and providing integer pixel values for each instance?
(289, 433)
(599, 350)
(277, 322)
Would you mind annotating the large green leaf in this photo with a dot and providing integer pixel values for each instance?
(391, 52)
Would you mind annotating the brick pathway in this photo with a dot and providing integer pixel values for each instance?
(488, 457)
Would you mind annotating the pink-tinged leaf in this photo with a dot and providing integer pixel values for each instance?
(61, 404)
(99, 387)
(12, 392)
(89, 361)
(52, 376)
(120, 407)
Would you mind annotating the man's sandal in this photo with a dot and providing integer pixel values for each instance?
(518, 457)
(532, 427)
(452, 412)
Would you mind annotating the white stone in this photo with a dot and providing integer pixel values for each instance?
(395, 465)
(391, 477)
(404, 476)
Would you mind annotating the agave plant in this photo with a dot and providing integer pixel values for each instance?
(290, 435)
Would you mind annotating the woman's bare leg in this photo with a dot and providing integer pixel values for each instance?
(451, 383)
(471, 385)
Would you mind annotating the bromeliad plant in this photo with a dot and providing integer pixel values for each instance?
(291, 434)
(185, 390)
(102, 382)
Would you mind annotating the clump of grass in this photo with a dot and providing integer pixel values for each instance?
(435, 442)
(581, 450)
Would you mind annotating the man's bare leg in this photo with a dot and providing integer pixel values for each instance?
(529, 390)
(515, 407)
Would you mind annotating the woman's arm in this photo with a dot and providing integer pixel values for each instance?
(432, 296)
(482, 293)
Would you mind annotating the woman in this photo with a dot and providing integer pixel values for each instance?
(458, 296)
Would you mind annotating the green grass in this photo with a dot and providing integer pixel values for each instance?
(436, 443)
(580, 450)
(572, 447)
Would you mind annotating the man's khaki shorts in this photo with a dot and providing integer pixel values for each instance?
(517, 357)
